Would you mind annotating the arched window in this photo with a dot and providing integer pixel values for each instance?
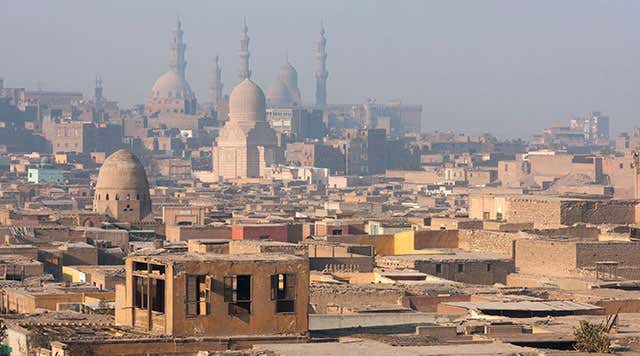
(107, 197)
(98, 196)
(117, 197)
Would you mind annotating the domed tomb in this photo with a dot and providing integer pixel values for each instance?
(246, 144)
(122, 189)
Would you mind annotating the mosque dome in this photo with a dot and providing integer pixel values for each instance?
(171, 86)
(122, 171)
(289, 76)
(278, 94)
(247, 101)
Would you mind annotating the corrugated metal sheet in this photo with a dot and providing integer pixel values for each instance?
(525, 306)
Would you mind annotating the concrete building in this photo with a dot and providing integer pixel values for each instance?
(45, 173)
(122, 190)
(179, 292)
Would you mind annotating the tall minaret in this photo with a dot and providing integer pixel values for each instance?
(216, 82)
(321, 70)
(97, 91)
(178, 47)
(245, 72)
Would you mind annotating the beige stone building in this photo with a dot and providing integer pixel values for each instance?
(247, 145)
(122, 190)
(212, 292)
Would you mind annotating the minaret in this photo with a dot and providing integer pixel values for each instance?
(178, 47)
(245, 72)
(97, 91)
(321, 70)
(216, 82)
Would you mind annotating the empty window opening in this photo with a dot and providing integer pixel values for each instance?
(140, 266)
(198, 295)
(157, 295)
(438, 268)
(460, 267)
(140, 292)
(283, 292)
(237, 293)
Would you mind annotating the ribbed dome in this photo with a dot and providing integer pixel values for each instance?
(279, 95)
(122, 171)
(247, 102)
(171, 86)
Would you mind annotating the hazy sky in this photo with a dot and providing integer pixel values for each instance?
(511, 67)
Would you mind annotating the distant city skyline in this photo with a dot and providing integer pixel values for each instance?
(493, 66)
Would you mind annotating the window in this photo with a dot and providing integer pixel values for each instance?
(488, 267)
(157, 295)
(198, 295)
(283, 292)
(336, 232)
(140, 266)
(139, 292)
(438, 268)
(486, 215)
(460, 267)
(237, 292)
(499, 216)
(107, 197)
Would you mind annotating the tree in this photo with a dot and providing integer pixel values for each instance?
(591, 337)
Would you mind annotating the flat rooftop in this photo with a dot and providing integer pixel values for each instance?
(444, 255)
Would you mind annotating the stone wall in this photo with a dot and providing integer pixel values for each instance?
(473, 271)
(337, 299)
(545, 257)
(488, 241)
(542, 212)
(426, 239)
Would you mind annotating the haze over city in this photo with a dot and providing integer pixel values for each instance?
(510, 66)
(285, 178)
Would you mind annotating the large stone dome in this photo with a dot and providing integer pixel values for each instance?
(247, 102)
(171, 86)
(278, 94)
(122, 171)
(122, 190)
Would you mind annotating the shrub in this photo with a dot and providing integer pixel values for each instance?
(591, 337)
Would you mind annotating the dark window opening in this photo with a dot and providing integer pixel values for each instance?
(438, 268)
(157, 269)
(157, 295)
(237, 292)
(488, 267)
(198, 295)
(283, 292)
(140, 266)
(107, 197)
(337, 232)
(139, 292)
(460, 268)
